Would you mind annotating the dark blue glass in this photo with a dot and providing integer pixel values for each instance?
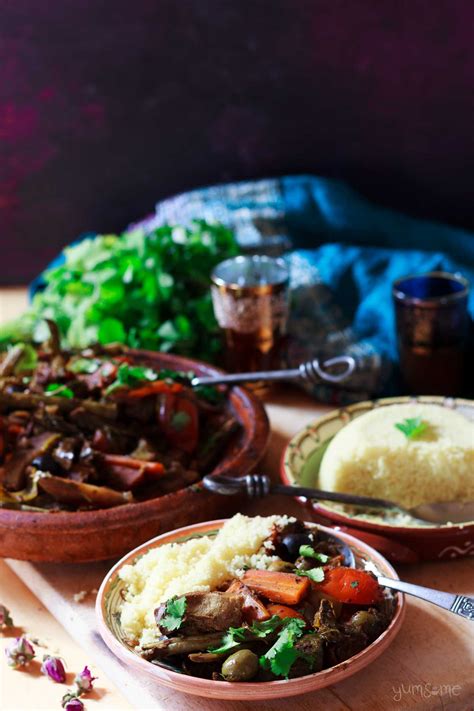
(429, 286)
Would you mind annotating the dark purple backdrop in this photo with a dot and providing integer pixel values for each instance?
(107, 106)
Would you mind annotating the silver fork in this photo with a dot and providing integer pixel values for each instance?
(311, 371)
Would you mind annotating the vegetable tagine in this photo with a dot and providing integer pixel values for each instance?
(305, 612)
(96, 429)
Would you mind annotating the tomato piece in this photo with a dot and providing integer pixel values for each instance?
(350, 586)
(179, 418)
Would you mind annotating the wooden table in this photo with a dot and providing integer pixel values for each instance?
(428, 667)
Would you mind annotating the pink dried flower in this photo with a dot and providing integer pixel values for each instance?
(84, 680)
(70, 702)
(5, 619)
(54, 668)
(20, 653)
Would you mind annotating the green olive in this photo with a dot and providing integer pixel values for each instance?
(365, 621)
(240, 666)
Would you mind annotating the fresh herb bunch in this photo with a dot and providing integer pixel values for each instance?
(146, 290)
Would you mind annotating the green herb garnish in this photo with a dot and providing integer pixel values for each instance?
(412, 427)
(174, 613)
(232, 638)
(58, 390)
(83, 365)
(309, 552)
(355, 584)
(131, 376)
(235, 635)
(282, 655)
(180, 420)
(315, 574)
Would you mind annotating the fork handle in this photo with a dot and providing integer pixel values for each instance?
(458, 604)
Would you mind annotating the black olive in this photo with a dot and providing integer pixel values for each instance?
(46, 463)
(289, 548)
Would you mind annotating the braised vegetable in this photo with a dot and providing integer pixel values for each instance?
(284, 611)
(356, 587)
(94, 429)
(278, 587)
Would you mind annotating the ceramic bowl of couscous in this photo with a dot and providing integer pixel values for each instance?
(408, 450)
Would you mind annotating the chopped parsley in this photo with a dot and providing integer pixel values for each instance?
(412, 427)
(309, 552)
(315, 574)
(355, 584)
(282, 655)
(174, 614)
(58, 390)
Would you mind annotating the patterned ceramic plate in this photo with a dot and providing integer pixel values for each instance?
(399, 541)
(110, 598)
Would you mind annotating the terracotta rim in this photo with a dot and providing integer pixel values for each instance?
(248, 454)
(431, 531)
(258, 690)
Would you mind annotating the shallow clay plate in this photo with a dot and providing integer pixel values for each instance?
(401, 544)
(82, 536)
(109, 600)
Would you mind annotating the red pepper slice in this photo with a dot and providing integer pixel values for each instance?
(179, 419)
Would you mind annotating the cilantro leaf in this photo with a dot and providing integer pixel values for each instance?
(309, 552)
(355, 584)
(232, 638)
(258, 630)
(58, 390)
(315, 574)
(263, 629)
(132, 375)
(412, 427)
(281, 656)
(174, 613)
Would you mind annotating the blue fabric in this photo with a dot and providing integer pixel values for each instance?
(344, 254)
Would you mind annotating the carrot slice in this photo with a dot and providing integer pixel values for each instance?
(284, 611)
(278, 587)
(122, 460)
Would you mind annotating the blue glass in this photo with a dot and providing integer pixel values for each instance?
(430, 286)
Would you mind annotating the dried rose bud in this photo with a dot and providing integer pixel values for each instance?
(54, 668)
(5, 619)
(70, 702)
(20, 653)
(84, 680)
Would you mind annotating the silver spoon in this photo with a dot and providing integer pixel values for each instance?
(311, 371)
(457, 604)
(258, 485)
